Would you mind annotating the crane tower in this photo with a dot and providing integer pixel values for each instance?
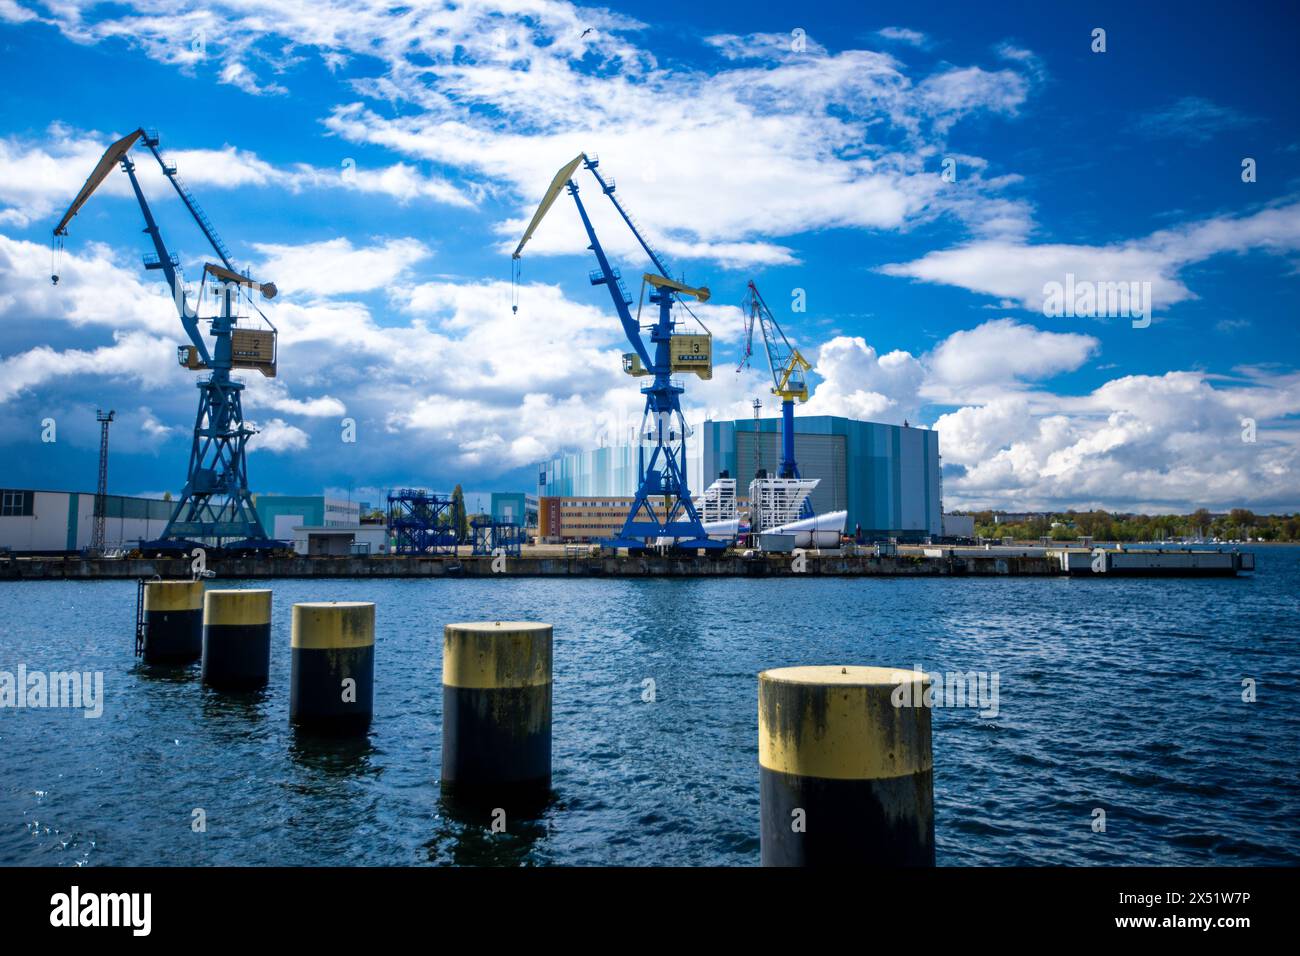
(662, 510)
(215, 507)
(787, 367)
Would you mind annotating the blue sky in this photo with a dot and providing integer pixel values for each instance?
(379, 161)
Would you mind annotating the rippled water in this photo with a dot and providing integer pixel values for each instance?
(1123, 695)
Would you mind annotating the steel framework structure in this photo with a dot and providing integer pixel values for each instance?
(488, 536)
(422, 522)
(101, 487)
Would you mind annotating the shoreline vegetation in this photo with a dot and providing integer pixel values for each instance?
(1239, 524)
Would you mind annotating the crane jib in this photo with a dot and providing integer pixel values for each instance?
(548, 200)
(112, 156)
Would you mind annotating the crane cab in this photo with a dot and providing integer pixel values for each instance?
(188, 357)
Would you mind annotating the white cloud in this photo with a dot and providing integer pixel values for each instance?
(1018, 270)
(1003, 351)
(904, 35)
(455, 377)
(764, 46)
(94, 289)
(507, 94)
(277, 437)
(236, 74)
(134, 356)
(335, 266)
(857, 383)
(1141, 442)
(41, 178)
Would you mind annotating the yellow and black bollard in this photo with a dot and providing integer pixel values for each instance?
(236, 639)
(845, 767)
(332, 680)
(173, 619)
(496, 715)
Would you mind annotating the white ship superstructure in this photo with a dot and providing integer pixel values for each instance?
(776, 506)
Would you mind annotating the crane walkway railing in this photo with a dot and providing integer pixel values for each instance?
(597, 277)
(169, 170)
(222, 249)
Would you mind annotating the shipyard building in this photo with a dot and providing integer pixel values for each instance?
(37, 521)
(885, 476)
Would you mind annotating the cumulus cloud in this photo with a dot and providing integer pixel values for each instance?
(496, 97)
(455, 378)
(503, 96)
(1019, 270)
(335, 266)
(1141, 442)
(857, 383)
(1003, 351)
(42, 176)
(278, 437)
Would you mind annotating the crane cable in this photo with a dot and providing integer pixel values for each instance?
(56, 257)
(516, 267)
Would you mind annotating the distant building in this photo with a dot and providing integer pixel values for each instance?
(281, 514)
(61, 521)
(885, 476)
(1016, 517)
(337, 540)
(959, 526)
(515, 507)
(562, 520)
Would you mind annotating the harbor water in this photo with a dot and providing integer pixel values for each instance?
(1129, 697)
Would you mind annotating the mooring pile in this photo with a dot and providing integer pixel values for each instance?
(845, 761)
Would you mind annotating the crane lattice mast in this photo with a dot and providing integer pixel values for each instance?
(101, 487)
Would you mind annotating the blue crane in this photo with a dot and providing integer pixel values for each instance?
(661, 476)
(215, 506)
(787, 367)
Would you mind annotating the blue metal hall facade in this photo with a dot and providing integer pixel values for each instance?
(885, 476)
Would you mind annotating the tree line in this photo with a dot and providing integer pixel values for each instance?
(1239, 524)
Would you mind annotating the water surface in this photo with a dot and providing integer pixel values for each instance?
(1119, 695)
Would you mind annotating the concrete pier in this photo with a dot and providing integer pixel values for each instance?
(909, 561)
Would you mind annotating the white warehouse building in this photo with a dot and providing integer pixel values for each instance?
(61, 521)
